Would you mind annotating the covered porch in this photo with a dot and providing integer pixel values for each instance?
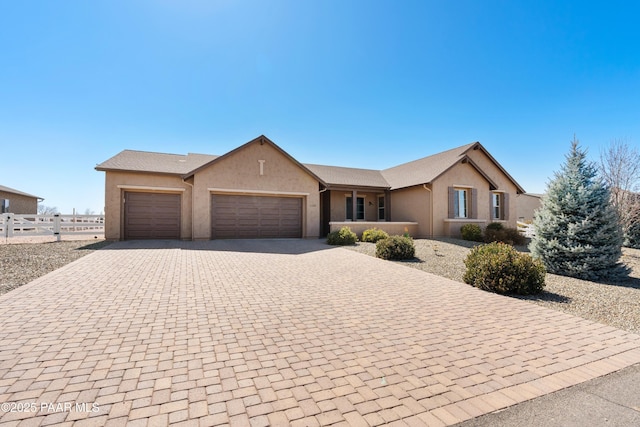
(360, 208)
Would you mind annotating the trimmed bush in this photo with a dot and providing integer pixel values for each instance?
(373, 235)
(342, 237)
(498, 267)
(395, 248)
(514, 237)
(471, 232)
(496, 232)
(497, 226)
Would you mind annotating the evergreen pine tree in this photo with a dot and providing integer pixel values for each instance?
(578, 232)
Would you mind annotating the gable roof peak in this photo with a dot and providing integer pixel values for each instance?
(262, 140)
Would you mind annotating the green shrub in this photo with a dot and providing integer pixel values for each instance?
(497, 226)
(514, 237)
(498, 267)
(342, 237)
(373, 235)
(471, 232)
(395, 248)
(496, 232)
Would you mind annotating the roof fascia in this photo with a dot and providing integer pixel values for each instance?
(135, 171)
(20, 193)
(464, 159)
(261, 139)
(477, 145)
(341, 187)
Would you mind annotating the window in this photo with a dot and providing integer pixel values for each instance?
(359, 208)
(4, 205)
(500, 206)
(463, 202)
(496, 205)
(460, 203)
(381, 213)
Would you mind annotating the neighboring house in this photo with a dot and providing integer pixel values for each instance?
(258, 190)
(17, 202)
(527, 205)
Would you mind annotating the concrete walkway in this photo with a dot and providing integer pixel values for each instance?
(284, 332)
(612, 401)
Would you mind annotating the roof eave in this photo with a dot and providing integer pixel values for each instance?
(101, 169)
(262, 139)
(476, 145)
(344, 187)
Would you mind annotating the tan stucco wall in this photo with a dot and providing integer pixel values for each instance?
(114, 206)
(339, 204)
(19, 204)
(413, 204)
(463, 174)
(240, 173)
(527, 206)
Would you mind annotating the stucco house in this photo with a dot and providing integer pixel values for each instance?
(259, 191)
(528, 204)
(17, 202)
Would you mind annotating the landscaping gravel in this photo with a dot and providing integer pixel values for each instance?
(23, 262)
(614, 303)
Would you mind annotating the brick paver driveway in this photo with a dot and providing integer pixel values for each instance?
(278, 333)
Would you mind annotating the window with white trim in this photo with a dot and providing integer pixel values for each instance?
(496, 205)
(4, 205)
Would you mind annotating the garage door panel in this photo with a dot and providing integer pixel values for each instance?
(152, 216)
(250, 217)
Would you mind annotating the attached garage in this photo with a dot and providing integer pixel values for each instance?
(254, 217)
(151, 215)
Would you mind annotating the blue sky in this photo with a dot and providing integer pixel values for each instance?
(368, 84)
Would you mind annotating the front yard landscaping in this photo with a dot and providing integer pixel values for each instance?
(614, 303)
(21, 263)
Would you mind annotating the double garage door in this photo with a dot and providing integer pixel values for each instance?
(151, 216)
(254, 217)
(157, 216)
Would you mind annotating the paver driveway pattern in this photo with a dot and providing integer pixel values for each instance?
(287, 332)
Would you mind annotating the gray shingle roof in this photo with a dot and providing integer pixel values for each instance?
(336, 175)
(14, 191)
(424, 170)
(417, 172)
(145, 161)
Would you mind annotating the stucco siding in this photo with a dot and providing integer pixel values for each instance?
(526, 206)
(465, 175)
(239, 173)
(19, 204)
(117, 183)
(339, 204)
(503, 182)
(413, 204)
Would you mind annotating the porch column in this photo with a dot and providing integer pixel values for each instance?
(387, 205)
(354, 205)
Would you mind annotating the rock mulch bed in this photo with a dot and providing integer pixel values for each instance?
(615, 303)
(20, 263)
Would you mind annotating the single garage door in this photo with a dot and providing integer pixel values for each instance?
(151, 216)
(254, 217)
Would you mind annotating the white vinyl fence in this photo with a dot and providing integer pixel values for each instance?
(46, 225)
(526, 229)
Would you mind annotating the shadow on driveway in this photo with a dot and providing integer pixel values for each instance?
(268, 246)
